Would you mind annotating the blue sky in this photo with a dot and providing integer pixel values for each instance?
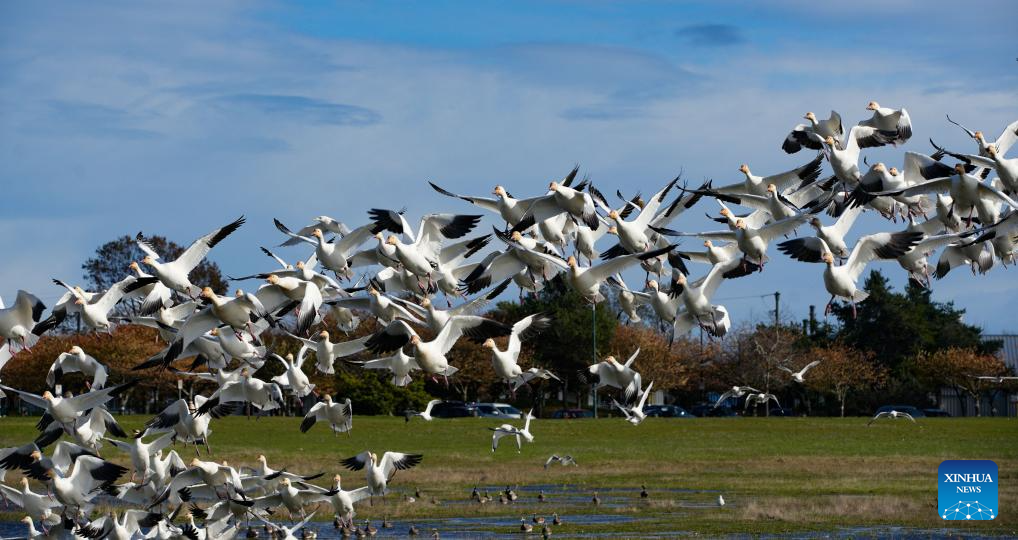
(124, 116)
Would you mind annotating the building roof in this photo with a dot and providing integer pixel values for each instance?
(1009, 349)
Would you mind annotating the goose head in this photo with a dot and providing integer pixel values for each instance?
(499, 191)
(328, 399)
(978, 136)
(872, 106)
(147, 259)
(829, 141)
(893, 171)
(317, 233)
(613, 230)
(992, 150)
(516, 236)
(338, 480)
(740, 224)
(811, 117)
(744, 169)
(708, 244)
(488, 344)
(373, 291)
(273, 279)
(239, 293)
(214, 332)
(879, 167)
(47, 395)
(324, 334)
(960, 169)
(415, 339)
(134, 266)
(613, 215)
(571, 261)
(681, 279)
(828, 258)
(426, 302)
(726, 212)
(815, 223)
(553, 186)
(391, 240)
(77, 351)
(772, 189)
(652, 284)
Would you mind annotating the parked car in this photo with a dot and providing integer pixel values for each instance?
(497, 410)
(453, 409)
(572, 413)
(707, 409)
(936, 412)
(667, 411)
(909, 409)
(781, 411)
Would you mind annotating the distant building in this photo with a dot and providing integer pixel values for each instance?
(996, 404)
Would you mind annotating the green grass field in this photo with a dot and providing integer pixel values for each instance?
(777, 475)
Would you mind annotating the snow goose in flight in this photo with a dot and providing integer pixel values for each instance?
(531, 374)
(95, 310)
(38, 506)
(430, 356)
(288, 496)
(588, 280)
(326, 352)
(174, 274)
(77, 361)
(263, 470)
(333, 254)
(968, 193)
(87, 432)
(424, 246)
(518, 257)
(757, 185)
(995, 379)
(280, 294)
(812, 135)
(181, 418)
(213, 475)
(610, 372)
(505, 362)
(504, 204)
(841, 281)
(696, 301)
(844, 156)
(342, 501)
(119, 526)
(628, 299)
(437, 319)
(509, 429)
(423, 415)
(66, 410)
(384, 307)
(154, 296)
(760, 399)
(264, 396)
(87, 477)
(1007, 169)
(1003, 143)
(752, 242)
(635, 236)
(564, 460)
(891, 414)
(450, 268)
(889, 120)
(979, 256)
(293, 377)
(381, 472)
(635, 415)
(734, 392)
(809, 249)
(399, 363)
(323, 223)
(17, 323)
(141, 452)
(561, 198)
(914, 261)
(237, 312)
(240, 345)
(797, 376)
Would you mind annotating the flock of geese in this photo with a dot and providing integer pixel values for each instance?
(570, 236)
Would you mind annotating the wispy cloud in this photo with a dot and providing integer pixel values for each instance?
(711, 35)
(301, 109)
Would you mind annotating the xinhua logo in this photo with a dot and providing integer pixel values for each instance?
(967, 489)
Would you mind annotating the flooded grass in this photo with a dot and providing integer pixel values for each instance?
(785, 476)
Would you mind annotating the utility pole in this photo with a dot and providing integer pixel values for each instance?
(593, 348)
(777, 323)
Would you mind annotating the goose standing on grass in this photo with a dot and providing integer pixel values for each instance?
(381, 472)
(18, 323)
(338, 415)
(610, 372)
(423, 415)
(175, 274)
(892, 414)
(506, 363)
(77, 361)
(888, 119)
(635, 415)
(812, 135)
(509, 429)
(797, 376)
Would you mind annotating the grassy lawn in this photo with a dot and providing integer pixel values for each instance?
(777, 475)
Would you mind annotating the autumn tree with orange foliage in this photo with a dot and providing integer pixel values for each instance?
(958, 368)
(842, 369)
(657, 361)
